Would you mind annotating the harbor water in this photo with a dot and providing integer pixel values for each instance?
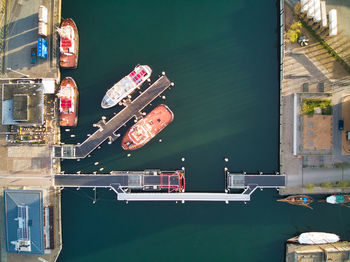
(223, 58)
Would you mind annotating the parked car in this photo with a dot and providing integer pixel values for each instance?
(341, 125)
(33, 55)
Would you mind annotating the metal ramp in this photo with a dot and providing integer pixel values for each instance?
(250, 182)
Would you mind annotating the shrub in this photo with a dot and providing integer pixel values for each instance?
(326, 185)
(294, 31)
(342, 184)
(310, 187)
(309, 105)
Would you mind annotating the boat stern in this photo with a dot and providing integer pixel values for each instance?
(331, 200)
(127, 144)
(68, 61)
(148, 70)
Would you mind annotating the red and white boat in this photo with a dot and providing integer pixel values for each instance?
(68, 95)
(126, 86)
(69, 44)
(147, 128)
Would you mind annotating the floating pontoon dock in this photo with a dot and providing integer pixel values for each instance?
(250, 182)
(107, 130)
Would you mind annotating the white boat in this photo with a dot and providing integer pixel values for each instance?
(338, 199)
(126, 86)
(311, 238)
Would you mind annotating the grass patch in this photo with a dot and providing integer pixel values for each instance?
(310, 187)
(339, 184)
(326, 185)
(342, 184)
(309, 105)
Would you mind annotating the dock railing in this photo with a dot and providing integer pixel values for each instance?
(281, 57)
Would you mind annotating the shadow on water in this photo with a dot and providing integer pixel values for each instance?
(151, 226)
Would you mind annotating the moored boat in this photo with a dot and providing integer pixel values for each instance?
(69, 44)
(312, 238)
(338, 199)
(300, 200)
(68, 102)
(147, 128)
(126, 86)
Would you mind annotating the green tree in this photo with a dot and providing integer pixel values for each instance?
(294, 31)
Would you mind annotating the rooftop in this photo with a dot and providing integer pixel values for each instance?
(23, 104)
(24, 221)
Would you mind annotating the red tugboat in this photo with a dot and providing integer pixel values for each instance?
(69, 44)
(68, 95)
(147, 128)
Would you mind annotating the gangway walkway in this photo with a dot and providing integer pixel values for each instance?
(183, 197)
(250, 182)
(107, 130)
(148, 180)
(155, 185)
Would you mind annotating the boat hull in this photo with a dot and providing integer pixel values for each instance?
(105, 104)
(70, 118)
(147, 128)
(126, 86)
(311, 238)
(300, 200)
(70, 60)
(338, 199)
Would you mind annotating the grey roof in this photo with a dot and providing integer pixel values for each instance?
(20, 107)
(14, 200)
(17, 111)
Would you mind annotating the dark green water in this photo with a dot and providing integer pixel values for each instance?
(223, 58)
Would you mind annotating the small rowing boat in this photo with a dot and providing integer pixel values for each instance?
(299, 200)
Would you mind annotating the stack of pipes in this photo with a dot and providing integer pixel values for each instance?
(311, 9)
(323, 13)
(304, 6)
(333, 27)
(317, 11)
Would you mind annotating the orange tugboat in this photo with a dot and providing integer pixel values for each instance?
(69, 44)
(300, 200)
(68, 95)
(147, 128)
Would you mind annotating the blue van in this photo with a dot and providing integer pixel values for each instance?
(341, 125)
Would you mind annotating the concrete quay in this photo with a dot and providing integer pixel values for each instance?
(19, 33)
(311, 72)
(18, 168)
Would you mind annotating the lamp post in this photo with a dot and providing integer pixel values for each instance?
(10, 69)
